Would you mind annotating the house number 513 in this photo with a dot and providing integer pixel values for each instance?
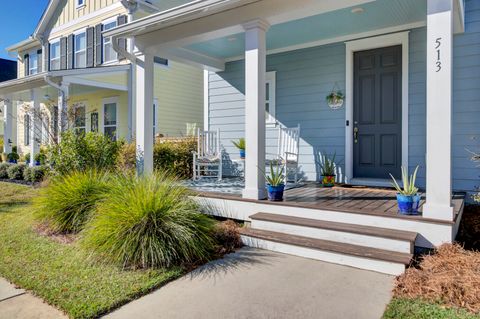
(438, 64)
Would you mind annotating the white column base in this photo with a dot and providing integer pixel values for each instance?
(441, 212)
(253, 193)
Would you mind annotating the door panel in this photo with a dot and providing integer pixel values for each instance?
(377, 113)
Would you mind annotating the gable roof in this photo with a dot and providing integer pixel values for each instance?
(45, 18)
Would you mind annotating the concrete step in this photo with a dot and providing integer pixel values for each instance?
(379, 260)
(368, 236)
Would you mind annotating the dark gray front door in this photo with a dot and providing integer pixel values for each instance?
(377, 113)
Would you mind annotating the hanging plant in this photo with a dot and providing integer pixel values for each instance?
(335, 98)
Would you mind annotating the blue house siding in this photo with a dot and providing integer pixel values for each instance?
(304, 77)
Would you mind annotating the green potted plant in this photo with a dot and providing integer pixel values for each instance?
(275, 183)
(335, 99)
(40, 158)
(26, 157)
(408, 198)
(240, 144)
(13, 157)
(327, 168)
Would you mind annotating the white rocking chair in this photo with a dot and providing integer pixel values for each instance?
(207, 161)
(287, 152)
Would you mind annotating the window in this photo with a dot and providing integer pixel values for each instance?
(79, 119)
(26, 129)
(110, 119)
(160, 61)
(33, 63)
(270, 82)
(109, 53)
(55, 55)
(80, 50)
(80, 3)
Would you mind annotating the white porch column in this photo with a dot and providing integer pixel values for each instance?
(63, 96)
(35, 125)
(131, 102)
(8, 125)
(255, 71)
(144, 113)
(439, 110)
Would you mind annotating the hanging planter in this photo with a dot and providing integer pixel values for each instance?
(336, 98)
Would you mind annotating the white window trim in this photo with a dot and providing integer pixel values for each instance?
(80, 31)
(155, 122)
(102, 119)
(271, 79)
(104, 22)
(54, 41)
(30, 54)
(400, 38)
(79, 5)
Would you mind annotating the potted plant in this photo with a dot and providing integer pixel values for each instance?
(26, 157)
(327, 169)
(275, 183)
(408, 198)
(240, 144)
(335, 99)
(40, 158)
(13, 156)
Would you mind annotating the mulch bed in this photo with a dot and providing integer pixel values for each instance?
(451, 273)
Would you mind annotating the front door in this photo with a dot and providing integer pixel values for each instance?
(377, 113)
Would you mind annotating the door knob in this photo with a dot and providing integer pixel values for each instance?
(355, 134)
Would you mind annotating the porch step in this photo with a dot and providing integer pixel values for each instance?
(368, 236)
(384, 261)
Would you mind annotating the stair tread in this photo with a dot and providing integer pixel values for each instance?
(320, 244)
(337, 226)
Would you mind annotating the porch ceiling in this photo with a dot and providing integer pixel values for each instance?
(376, 15)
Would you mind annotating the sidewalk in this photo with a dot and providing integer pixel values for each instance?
(18, 304)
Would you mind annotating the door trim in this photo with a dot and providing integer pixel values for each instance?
(400, 38)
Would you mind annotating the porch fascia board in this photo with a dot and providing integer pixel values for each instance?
(22, 84)
(93, 83)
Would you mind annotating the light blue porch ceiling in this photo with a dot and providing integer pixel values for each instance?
(376, 15)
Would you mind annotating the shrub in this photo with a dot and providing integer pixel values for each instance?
(13, 156)
(26, 157)
(149, 222)
(126, 160)
(68, 200)
(41, 157)
(3, 170)
(80, 152)
(35, 174)
(15, 171)
(227, 236)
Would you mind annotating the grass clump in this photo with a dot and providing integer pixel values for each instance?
(149, 222)
(67, 202)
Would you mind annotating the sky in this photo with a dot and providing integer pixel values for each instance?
(18, 20)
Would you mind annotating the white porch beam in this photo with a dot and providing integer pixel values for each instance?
(8, 125)
(439, 110)
(97, 84)
(35, 125)
(192, 58)
(255, 72)
(144, 69)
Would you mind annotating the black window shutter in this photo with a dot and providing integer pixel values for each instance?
(26, 63)
(98, 44)
(122, 42)
(46, 56)
(63, 53)
(90, 40)
(70, 52)
(39, 61)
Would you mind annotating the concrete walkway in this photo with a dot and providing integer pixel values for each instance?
(17, 304)
(261, 284)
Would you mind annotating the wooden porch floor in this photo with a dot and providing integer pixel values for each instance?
(351, 199)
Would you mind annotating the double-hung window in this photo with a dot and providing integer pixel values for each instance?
(270, 82)
(80, 48)
(55, 55)
(80, 119)
(33, 62)
(109, 53)
(110, 118)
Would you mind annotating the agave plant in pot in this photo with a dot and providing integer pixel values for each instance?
(327, 168)
(275, 183)
(240, 144)
(408, 198)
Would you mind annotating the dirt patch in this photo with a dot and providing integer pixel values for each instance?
(469, 231)
(450, 275)
(45, 231)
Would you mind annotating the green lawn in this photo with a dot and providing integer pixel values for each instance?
(400, 308)
(59, 273)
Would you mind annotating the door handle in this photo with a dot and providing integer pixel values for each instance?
(355, 134)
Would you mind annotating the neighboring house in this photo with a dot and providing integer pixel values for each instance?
(8, 71)
(410, 72)
(69, 76)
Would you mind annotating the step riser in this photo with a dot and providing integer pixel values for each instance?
(337, 236)
(381, 266)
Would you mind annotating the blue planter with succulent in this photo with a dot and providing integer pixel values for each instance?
(408, 198)
(275, 183)
(240, 144)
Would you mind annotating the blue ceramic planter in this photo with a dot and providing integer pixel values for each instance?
(408, 205)
(275, 193)
(12, 161)
(242, 154)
